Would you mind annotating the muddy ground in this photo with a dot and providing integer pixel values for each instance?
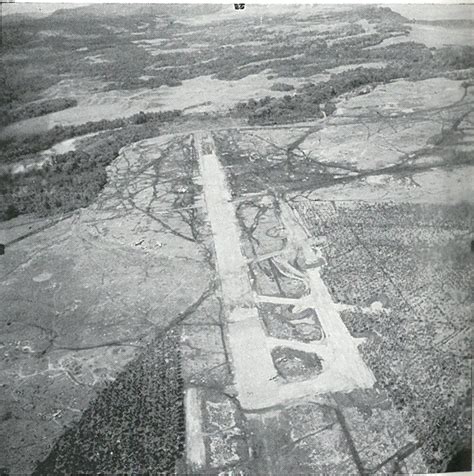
(115, 324)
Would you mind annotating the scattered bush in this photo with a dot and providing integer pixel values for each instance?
(282, 87)
(19, 148)
(72, 180)
(415, 62)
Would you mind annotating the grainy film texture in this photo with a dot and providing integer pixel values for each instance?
(236, 241)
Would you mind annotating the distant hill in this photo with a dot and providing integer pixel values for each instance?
(124, 10)
(18, 18)
(18, 12)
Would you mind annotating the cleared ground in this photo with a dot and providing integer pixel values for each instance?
(201, 94)
(84, 296)
(395, 126)
(78, 327)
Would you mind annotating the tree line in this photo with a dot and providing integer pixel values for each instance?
(73, 180)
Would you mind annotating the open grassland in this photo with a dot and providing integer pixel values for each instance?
(197, 95)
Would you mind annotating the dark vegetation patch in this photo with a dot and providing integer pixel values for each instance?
(40, 108)
(413, 61)
(60, 45)
(282, 87)
(282, 169)
(15, 149)
(39, 52)
(419, 348)
(281, 322)
(74, 179)
(269, 167)
(134, 426)
(294, 364)
(461, 460)
(267, 278)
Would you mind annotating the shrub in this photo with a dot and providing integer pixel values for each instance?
(282, 87)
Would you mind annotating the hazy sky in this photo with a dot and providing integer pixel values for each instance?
(36, 8)
(435, 12)
(426, 12)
